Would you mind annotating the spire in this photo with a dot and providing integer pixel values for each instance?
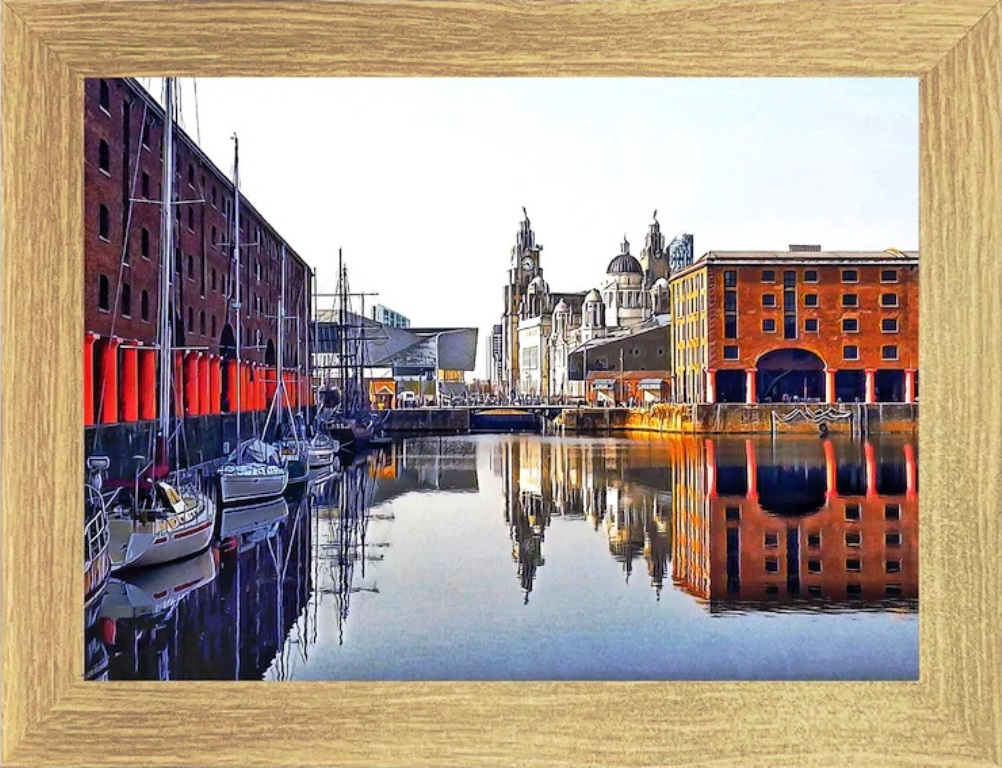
(626, 245)
(655, 244)
(526, 240)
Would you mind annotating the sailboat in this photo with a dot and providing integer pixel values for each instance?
(166, 516)
(254, 471)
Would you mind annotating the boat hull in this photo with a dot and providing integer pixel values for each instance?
(138, 544)
(244, 486)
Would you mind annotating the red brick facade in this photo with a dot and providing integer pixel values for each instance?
(122, 162)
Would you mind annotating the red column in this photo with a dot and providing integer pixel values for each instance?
(830, 385)
(711, 386)
(147, 384)
(831, 470)
(128, 383)
(871, 385)
(231, 385)
(246, 402)
(109, 381)
(911, 471)
(191, 383)
(751, 386)
(177, 387)
(215, 384)
(203, 383)
(909, 385)
(88, 378)
(259, 388)
(270, 385)
(871, 469)
(752, 470)
(711, 469)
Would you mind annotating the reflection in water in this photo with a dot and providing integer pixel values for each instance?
(526, 557)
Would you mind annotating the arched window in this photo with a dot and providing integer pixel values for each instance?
(103, 157)
(213, 326)
(104, 96)
(191, 174)
(145, 237)
(191, 320)
(191, 267)
(201, 323)
(213, 238)
(103, 293)
(126, 300)
(191, 219)
(103, 222)
(144, 307)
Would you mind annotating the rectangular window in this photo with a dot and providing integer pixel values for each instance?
(852, 512)
(789, 279)
(810, 276)
(814, 566)
(732, 513)
(853, 538)
(893, 590)
(731, 327)
(892, 539)
(814, 590)
(771, 565)
(889, 352)
(889, 325)
(888, 275)
(104, 96)
(768, 300)
(811, 325)
(814, 540)
(850, 325)
(892, 511)
(853, 565)
(730, 278)
(772, 539)
(850, 300)
(731, 301)
(769, 325)
(850, 276)
(146, 186)
(730, 353)
(768, 276)
(888, 299)
(790, 327)
(853, 590)
(810, 300)
(892, 566)
(850, 353)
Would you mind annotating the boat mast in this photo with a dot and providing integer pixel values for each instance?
(306, 361)
(341, 363)
(166, 253)
(281, 346)
(236, 257)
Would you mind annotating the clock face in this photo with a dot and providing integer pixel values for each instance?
(527, 263)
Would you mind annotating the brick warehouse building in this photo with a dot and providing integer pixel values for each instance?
(807, 324)
(123, 130)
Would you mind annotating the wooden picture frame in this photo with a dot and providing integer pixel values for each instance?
(951, 716)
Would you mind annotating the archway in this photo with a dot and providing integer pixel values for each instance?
(269, 353)
(785, 375)
(227, 351)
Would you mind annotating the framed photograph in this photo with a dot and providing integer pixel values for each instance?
(252, 468)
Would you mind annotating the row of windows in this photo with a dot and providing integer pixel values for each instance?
(852, 539)
(811, 325)
(887, 300)
(853, 513)
(849, 352)
(810, 276)
(852, 565)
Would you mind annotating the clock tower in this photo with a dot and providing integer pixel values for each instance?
(654, 258)
(525, 265)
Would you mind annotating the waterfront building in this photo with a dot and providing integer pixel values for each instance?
(546, 335)
(123, 128)
(387, 316)
(823, 326)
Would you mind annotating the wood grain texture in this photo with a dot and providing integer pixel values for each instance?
(951, 717)
(613, 37)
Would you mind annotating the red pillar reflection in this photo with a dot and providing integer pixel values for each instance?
(109, 381)
(871, 469)
(147, 384)
(751, 389)
(129, 383)
(831, 470)
(830, 385)
(909, 385)
(88, 378)
(911, 470)
(711, 469)
(871, 385)
(752, 469)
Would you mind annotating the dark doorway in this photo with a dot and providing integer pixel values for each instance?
(269, 353)
(890, 386)
(228, 351)
(790, 375)
(731, 386)
(850, 386)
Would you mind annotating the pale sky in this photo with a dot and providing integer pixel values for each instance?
(422, 181)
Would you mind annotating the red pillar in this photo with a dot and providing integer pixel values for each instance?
(246, 403)
(177, 387)
(831, 470)
(911, 471)
(871, 469)
(751, 386)
(128, 383)
(270, 385)
(231, 385)
(215, 384)
(871, 385)
(191, 383)
(88, 378)
(830, 385)
(752, 470)
(147, 384)
(909, 385)
(711, 469)
(109, 381)
(711, 386)
(259, 389)
(203, 383)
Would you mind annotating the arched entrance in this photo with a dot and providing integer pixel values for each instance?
(227, 351)
(786, 375)
(269, 353)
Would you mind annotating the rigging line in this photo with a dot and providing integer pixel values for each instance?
(198, 127)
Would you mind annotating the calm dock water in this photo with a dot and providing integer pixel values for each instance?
(510, 557)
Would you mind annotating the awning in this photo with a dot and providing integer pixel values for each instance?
(650, 384)
(384, 389)
(603, 384)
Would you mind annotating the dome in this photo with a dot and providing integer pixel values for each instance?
(538, 283)
(661, 282)
(593, 296)
(561, 307)
(624, 264)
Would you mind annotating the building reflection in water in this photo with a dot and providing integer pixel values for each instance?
(740, 524)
